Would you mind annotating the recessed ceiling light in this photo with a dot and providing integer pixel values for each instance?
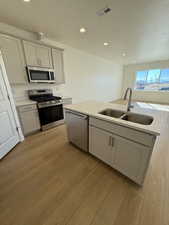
(106, 43)
(26, 0)
(123, 54)
(82, 30)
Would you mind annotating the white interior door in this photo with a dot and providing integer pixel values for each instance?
(8, 133)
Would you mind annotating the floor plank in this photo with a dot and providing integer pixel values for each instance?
(47, 181)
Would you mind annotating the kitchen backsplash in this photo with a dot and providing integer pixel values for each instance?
(20, 91)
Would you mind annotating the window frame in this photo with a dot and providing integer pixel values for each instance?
(149, 90)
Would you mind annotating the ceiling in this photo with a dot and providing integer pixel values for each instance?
(140, 28)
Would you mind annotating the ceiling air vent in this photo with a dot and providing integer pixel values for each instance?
(103, 11)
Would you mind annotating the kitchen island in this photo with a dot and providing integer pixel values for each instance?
(124, 145)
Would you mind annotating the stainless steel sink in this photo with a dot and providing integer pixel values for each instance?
(128, 116)
(138, 118)
(112, 113)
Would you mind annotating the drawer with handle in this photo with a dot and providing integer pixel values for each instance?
(26, 108)
(126, 132)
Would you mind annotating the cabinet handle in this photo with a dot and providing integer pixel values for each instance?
(28, 108)
(109, 140)
(112, 141)
(39, 61)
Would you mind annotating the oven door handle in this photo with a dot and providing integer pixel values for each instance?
(50, 105)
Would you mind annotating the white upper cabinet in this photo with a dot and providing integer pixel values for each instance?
(44, 56)
(30, 54)
(37, 55)
(57, 56)
(19, 53)
(14, 59)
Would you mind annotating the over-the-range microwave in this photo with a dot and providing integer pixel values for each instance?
(40, 75)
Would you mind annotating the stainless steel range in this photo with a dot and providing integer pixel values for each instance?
(50, 107)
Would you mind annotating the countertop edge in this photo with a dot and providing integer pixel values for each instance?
(24, 103)
(114, 120)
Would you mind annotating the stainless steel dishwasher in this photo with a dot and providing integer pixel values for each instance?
(77, 129)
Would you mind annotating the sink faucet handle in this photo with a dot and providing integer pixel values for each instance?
(130, 96)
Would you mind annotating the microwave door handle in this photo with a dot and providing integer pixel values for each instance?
(52, 78)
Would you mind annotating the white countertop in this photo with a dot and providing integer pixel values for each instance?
(66, 97)
(92, 108)
(24, 102)
(30, 102)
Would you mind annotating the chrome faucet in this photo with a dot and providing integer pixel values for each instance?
(129, 106)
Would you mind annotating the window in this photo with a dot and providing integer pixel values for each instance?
(156, 79)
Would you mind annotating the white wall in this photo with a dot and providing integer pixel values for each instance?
(87, 76)
(129, 72)
(8, 29)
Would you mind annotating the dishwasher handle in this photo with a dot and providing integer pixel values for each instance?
(77, 114)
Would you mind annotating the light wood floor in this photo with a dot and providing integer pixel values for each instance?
(47, 181)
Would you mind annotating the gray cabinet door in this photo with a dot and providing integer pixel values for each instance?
(130, 158)
(77, 128)
(100, 144)
(30, 122)
(29, 118)
(37, 55)
(14, 59)
(57, 56)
